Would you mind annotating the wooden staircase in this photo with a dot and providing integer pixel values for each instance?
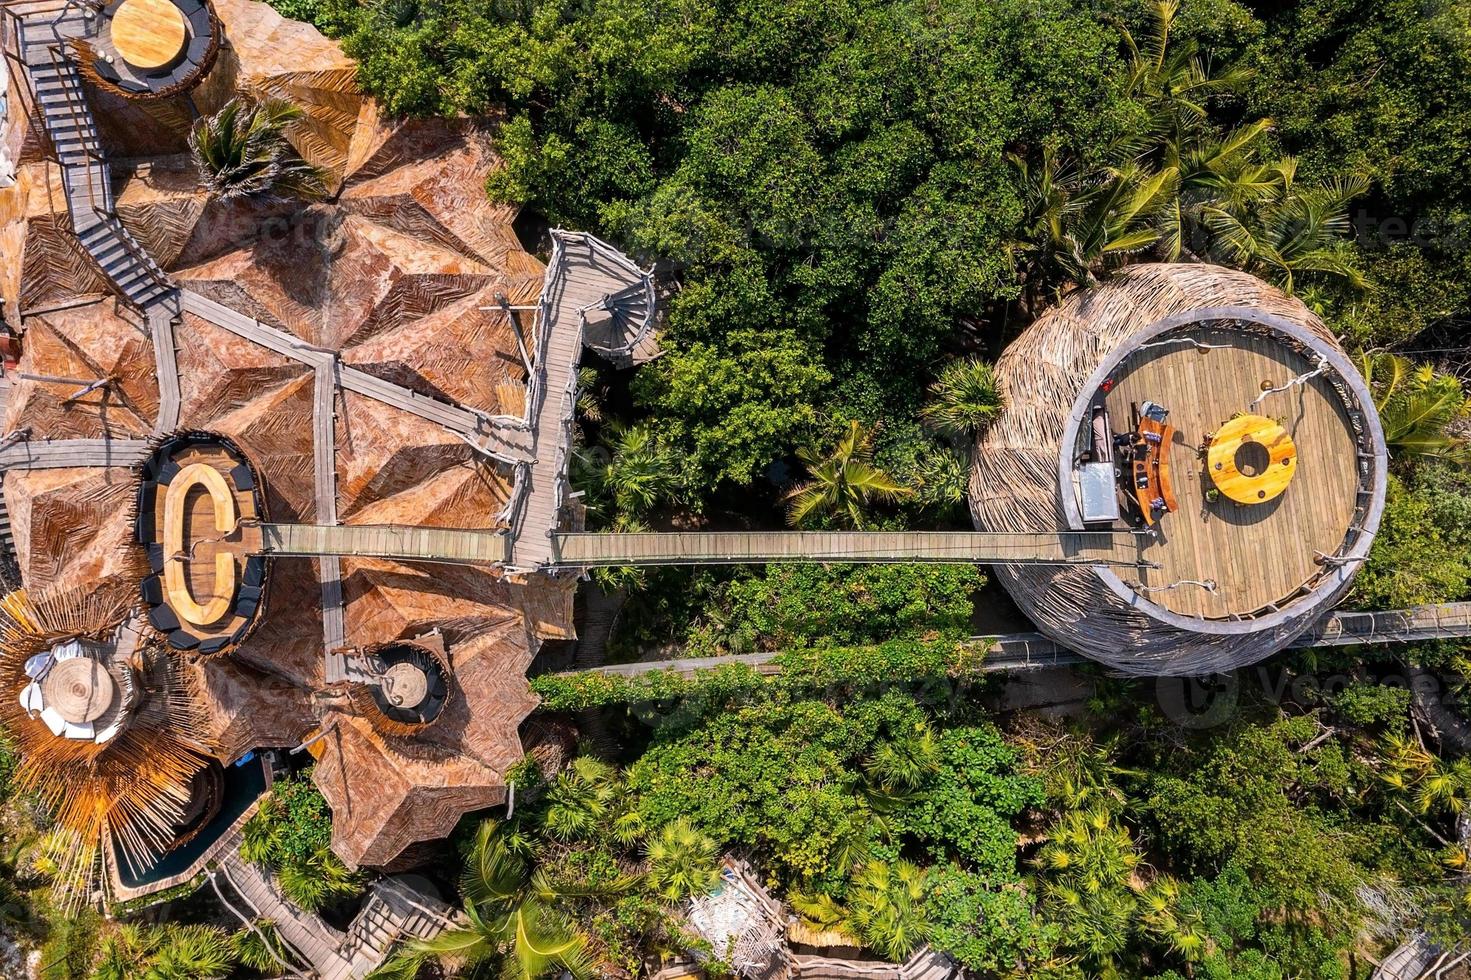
(61, 103)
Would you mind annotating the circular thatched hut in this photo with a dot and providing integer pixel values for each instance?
(1119, 405)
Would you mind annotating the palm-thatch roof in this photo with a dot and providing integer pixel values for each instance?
(1070, 358)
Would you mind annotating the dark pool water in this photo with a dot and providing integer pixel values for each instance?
(243, 784)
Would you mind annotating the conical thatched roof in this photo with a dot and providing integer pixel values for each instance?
(1230, 584)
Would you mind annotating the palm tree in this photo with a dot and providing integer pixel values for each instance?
(1087, 865)
(315, 882)
(261, 947)
(1171, 78)
(884, 910)
(964, 399)
(683, 861)
(167, 952)
(1417, 407)
(630, 474)
(1294, 231)
(903, 764)
(242, 150)
(886, 906)
(580, 798)
(1080, 224)
(512, 917)
(1161, 912)
(842, 483)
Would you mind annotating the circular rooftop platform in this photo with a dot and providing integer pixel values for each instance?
(1259, 555)
(411, 684)
(199, 514)
(1114, 400)
(152, 48)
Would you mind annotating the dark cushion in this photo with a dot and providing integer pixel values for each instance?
(189, 7)
(143, 528)
(181, 640)
(247, 593)
(168, 471)
(255, 570)
(246, 608)
(199, 25)
(241, 477)
(198, 45)
(155, 557)
(163, 619)
(152, 590)
(214, 644)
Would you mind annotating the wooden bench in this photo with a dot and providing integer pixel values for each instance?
(1150, 479)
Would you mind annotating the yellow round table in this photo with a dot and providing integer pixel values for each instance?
(149, 34)
(1251, 459)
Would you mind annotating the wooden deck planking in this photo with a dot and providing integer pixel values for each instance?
(67, 453)
(1256, 554)
(674, 548)
(396, 541)
(578, 280)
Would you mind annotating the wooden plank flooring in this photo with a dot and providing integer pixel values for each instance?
(395, 541)
(1256, 554)
(705, 547)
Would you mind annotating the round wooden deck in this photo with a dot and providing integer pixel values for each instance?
(1256, 554)
(149, 34)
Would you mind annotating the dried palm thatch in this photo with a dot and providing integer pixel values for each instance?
(132, 789)
(1017, 479)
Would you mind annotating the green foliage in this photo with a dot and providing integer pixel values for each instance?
(262, 948)
(1372, 704)
(69, 950)
(167, 952)
(732, 404)
(842, 484)
(1418, 406)
(964, 399)
(290, 834)
(964, 808)
(630, 475)
(682, 861)
(1242, 801)
(987, 928)
(789, 606)
(848, 667)
(242, 151)
(9, 760)
(1415, 558)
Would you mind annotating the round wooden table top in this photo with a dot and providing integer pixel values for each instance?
(405, 685)
(80, 689)
(1251, 459)
(148, 34)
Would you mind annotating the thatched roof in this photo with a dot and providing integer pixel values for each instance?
(393, 274)
(1055, 371)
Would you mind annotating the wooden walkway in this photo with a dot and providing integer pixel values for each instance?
(1033, 651)
(579, 550)
(584, 277)
(739, 547)
(316, 942)
(1256, 555)
(68, 453)
(394, 911)
(396, 541)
